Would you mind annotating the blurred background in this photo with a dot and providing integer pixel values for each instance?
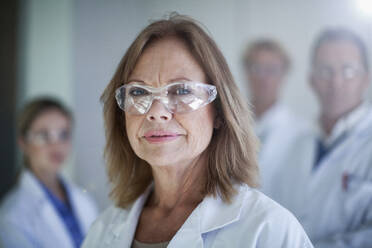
(70, 49)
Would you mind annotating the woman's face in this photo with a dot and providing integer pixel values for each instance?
(48, 142)
(160, 137)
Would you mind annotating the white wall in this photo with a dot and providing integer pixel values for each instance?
(45, 53)
(102, 32)
(295, 24)
(72, 49)
(47, 49)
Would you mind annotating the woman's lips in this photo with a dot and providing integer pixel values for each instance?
(160, 136)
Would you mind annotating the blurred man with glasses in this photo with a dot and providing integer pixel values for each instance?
(328, 184)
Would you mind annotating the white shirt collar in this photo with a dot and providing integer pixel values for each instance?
(344, 124)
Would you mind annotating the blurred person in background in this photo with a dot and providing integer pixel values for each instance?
(44, 209)
(329, 181)
(266, 65)
(180, 151)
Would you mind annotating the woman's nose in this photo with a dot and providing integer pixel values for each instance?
(158, 113)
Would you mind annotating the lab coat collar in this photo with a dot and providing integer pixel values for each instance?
(211, 214)
(227, 212)
(124, 225)
(29, 182)
(79, 205)
(202, 220)
(39, 205)
(269, 118)
(344, 124)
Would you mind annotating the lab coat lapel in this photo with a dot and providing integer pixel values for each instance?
(298, 171)
(54, 223)
(46, 212)
(81, 206)
(78, 207)
(189, 235)
(215, 213)
(330, 168)
(332, 165)
(211, 214)
(202, 220)
(123, 229)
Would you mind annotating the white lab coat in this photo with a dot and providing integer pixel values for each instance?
(277, 129)
(251, 220)
(333, 202)
(28, 219)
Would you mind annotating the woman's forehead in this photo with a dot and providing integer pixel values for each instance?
(165, 60)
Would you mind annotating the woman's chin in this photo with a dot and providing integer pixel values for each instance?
(161, 162)
(161, 155)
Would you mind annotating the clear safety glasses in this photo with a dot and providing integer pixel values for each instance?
(48, 137)
(179, 97)
(347, 72)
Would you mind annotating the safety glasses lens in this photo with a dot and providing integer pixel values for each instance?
(176, 97)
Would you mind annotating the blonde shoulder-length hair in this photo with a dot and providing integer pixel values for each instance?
(232, 150)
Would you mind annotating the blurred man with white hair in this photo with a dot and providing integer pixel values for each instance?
(328, 183)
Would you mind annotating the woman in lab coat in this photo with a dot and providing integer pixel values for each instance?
(180, 151)
(44, 209)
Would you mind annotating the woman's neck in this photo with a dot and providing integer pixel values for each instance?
(179, 185)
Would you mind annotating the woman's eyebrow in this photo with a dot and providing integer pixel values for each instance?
(179, 79)
(134, 80)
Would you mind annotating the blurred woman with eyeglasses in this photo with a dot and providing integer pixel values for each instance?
(44, 209)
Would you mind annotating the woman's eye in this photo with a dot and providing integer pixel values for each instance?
(138, 92)
(182, 91)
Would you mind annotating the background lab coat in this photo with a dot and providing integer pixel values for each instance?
(277, 129)
(334, 202)
(28, 219)
(251, 220)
